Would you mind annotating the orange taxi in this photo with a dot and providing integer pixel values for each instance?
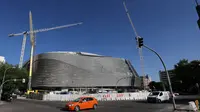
(82, 103)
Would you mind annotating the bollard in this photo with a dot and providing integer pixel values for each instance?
(197, 104)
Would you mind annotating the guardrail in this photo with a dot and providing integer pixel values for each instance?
(100, 97)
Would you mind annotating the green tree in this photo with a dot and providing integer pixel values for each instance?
(13, 73)
(155, 86)
(187, 75)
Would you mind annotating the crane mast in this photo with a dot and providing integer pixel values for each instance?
(22, 50)
(137, 36)
(32, 50)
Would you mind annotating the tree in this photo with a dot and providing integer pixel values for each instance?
(181, 63)
(187, 76)
(155, 86)
(13, 73)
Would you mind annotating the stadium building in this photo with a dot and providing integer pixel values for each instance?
(62, 70)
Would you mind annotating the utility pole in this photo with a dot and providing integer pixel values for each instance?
(137, 36)
(140, 44)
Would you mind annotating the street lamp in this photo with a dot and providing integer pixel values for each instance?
(4, 75)
(15, 80)
(122, 79)
(3, 80)
(169, 81)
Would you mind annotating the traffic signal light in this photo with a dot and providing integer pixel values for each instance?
(140, 42)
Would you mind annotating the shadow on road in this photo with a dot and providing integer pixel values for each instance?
(141, 101)
(62, 109)
(145, 102)
(178, 101)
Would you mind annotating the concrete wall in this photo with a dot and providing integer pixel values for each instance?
(63, 69)
(100, 97)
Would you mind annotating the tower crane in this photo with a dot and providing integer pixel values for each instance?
(32, 38)
(25, 33)
(137, 37)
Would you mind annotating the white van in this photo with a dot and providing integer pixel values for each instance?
(158, 96)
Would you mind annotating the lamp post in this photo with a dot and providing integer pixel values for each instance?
(122, 79)
(3, 80)
(15, 80)
(169, 81)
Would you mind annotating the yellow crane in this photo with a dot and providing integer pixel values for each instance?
(32, 38)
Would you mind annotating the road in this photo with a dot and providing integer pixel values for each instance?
(109, 106)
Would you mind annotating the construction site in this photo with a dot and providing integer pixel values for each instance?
(38, 64)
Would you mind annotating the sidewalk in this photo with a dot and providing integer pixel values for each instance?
(183, 108)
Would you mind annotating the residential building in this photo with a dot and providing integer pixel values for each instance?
(163, 76)
(145, 80)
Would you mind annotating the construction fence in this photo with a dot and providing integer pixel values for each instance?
(100, 97)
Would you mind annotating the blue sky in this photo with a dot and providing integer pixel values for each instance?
(167, 26)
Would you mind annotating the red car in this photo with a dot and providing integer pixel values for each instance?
(82, 103)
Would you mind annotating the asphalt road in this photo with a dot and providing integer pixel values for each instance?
(110, 106)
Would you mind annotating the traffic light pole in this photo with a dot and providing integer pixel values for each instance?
(169, 81)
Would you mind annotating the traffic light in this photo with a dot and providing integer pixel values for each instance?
(140, 42)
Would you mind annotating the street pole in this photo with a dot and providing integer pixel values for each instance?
(121, 79)
(1, 86)
(3, 80)
(169, 81)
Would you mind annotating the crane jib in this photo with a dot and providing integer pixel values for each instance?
(44, 29)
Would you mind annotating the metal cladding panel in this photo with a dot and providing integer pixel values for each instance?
(74, 70)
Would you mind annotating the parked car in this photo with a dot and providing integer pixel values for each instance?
(6, 97)
(158, 96)
(82, 103)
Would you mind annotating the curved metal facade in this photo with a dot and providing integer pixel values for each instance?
(63, 69)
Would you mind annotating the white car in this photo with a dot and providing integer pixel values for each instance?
(158, 96)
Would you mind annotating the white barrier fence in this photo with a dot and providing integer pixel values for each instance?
(100, 97)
